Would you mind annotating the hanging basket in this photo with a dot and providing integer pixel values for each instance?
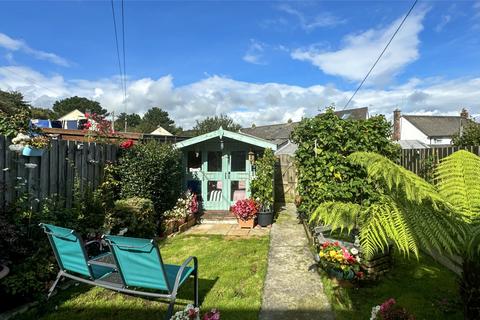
(32, 152)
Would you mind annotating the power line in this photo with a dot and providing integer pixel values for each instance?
(381, 54)
(118, 50)
(124, 64)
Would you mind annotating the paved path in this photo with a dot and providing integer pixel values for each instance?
(291, 291)
(227, 230)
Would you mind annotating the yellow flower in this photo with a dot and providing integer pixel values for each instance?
(321, 254)
(332, 253)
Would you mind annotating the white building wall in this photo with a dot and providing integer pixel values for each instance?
(409, 132)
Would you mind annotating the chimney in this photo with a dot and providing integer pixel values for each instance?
(396, 124)
(464, 113)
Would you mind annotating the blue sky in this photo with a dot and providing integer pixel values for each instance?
(259, 62)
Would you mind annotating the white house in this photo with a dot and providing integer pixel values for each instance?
(427, 130)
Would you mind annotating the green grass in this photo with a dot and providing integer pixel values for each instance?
(415, 285)
(231, 271)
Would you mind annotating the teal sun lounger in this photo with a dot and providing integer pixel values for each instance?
(133, 266)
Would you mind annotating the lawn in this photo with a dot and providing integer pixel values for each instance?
(231, 272)
(419, 286)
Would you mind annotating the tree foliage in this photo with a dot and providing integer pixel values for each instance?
(64, 106)
(152, 170)
(470, 135)
(214, 123)
(15, 113)
(156, 117)
(411, 214)
(262, 183)
(324, 173)
(133, 122)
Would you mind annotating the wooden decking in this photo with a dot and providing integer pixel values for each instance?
(218, 217)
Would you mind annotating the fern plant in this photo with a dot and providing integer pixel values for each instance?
(413, 214)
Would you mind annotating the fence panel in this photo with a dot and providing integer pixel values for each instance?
(421, 161)
(54, 173)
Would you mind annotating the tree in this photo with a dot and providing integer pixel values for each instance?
(12, 102)
(64, 106)
(42, 113)
(412, 214)
(156, 117)
(15, 113)
(213, 123)
(470, 135)
(133, 121)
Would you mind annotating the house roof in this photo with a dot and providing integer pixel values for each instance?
(161, 132)
(412, 144)
(280, 133)
(436, 126)
(220, 133)
(74, 115)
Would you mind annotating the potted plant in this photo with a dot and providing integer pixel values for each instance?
(246, 211)
(339, 262)
(36, 146)
(262, 187)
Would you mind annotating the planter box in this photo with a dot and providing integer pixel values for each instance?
(191, 222)
(248, 224)
(32, 152)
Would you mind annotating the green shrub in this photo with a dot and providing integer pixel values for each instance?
(324, 173)
(262, 184)
(154, 171)
(136, 214)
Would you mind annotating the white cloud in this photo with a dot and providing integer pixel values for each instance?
(359, 51)
(255, 52)
(322, 20)
(13, 45)
(445, 19)
(247, 103)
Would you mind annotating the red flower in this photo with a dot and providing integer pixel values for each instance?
(127, 144)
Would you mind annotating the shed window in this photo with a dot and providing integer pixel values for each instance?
(214, 161)
(194, 160)
(239, 161)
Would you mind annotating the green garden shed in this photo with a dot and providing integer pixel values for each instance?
(219, 166)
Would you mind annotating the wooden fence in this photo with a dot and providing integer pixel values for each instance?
(285, 179)
(54, 172)
(420, 161)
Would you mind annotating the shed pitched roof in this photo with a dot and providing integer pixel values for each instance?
(437, 126)
(280, 133)
(228, 134)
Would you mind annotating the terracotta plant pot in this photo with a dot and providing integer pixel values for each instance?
(249, 224)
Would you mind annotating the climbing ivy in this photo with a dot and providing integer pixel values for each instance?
(262, 184)
(324, 173)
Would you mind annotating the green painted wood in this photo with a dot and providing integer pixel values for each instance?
(220, 133)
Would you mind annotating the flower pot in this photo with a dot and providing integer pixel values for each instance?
(249, 224)
(32, 152)
(265, 218)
